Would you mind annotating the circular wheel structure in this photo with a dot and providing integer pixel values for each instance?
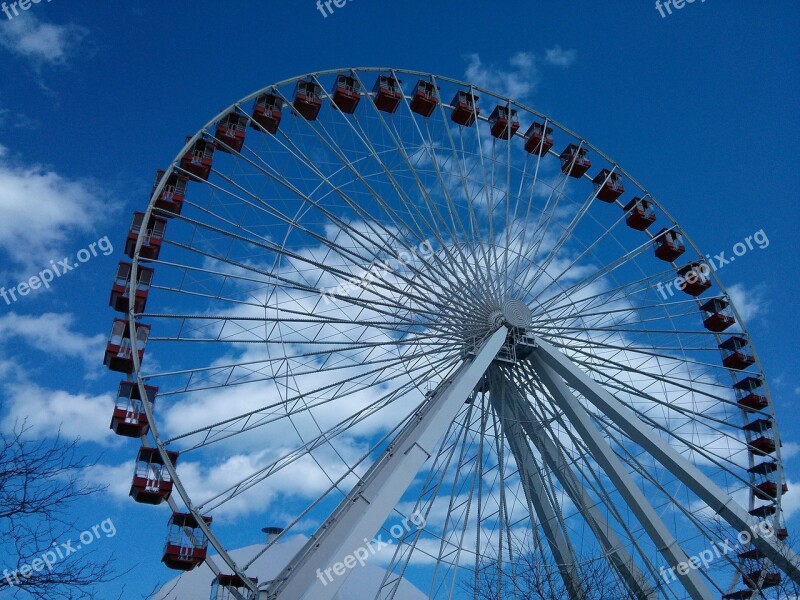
(373, 312)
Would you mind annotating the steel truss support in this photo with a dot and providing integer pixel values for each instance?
(548, 514)
(365, 509)
(548, 358)
(522, 414)
(614, 469)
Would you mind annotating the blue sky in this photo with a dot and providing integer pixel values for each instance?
(700, 106)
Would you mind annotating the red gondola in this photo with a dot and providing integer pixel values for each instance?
(154, 235)
(717, 315)
(129, 418)
(538, 140)
(641, 214)
(765, 442)
(749, 393)
(696, 279)
(197, 161)
(465, 108)
(120, 291)
(173, 194)
(346, 95)
(187, 544)
(425, 98)
(388, 93)
(608, 185)
(151, 483)
(574, 161)
(231, 131)
(669, 244)
(118, 356)
(230, 587)
(504, 127)
(267, 112)
(736, 353)
(308, 99)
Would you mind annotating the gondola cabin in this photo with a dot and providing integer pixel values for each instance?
(198, 159)
(608, 185)
(230, 587)
(118, 356)
(696, 279)
(151, 483)
(121, 290)
(574, 161)
(465, 108)
(346, 94)
(641, 214)
(307, 99)
(387, 93)
(762, 512)
(173, 194)
(736, 353)
(669, 244)
(763, 440)
(425, 98)
(129, 418)
(231, 131)
(717, 315)
(267, 112)
(749, 393)
(538, 139)
(153, 236)
(187, 544)
(504, 122)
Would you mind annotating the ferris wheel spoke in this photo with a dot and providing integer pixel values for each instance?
(553, 455)
(548, 358)
(434, 215)
(610, 267)
(546, 508)
(253, 419)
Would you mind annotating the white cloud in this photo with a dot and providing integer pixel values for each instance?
(750, 302)
(41, 43)
(47, 411)
(52, 333)
(516, 83)
(559, 57)
(44, 208)
(521, 79)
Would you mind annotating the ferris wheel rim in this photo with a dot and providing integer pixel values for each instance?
(238, 106)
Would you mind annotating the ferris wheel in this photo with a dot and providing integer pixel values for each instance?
(373, 302)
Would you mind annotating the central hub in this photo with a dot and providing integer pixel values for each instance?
(517, 314)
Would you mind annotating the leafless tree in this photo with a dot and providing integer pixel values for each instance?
(40, 480)
(530, 579)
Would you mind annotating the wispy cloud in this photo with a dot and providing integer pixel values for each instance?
(750, 302)
(559, 57)
(44, 209)
(520, 79)
(41, 43)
